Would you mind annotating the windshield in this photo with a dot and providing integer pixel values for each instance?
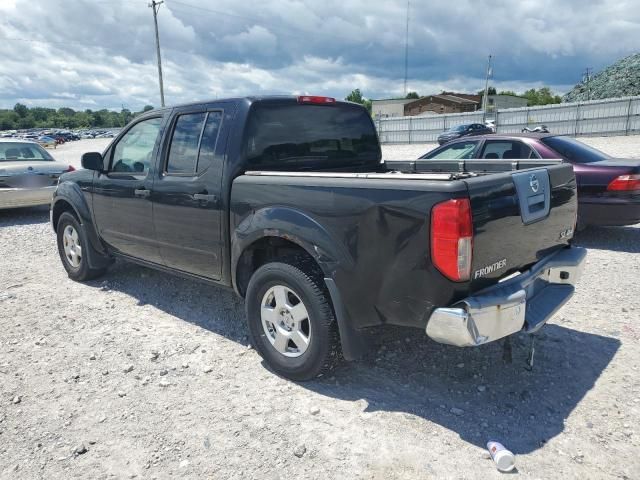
(458, 128)
(17, 151)
(574, 151)
(280, 136)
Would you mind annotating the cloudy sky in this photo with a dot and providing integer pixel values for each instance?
(101, 53)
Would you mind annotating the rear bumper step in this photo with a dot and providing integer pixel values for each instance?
(524, 302)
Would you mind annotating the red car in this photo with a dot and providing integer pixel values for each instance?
(608, 188)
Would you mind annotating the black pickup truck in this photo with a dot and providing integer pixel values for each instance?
(286, 200)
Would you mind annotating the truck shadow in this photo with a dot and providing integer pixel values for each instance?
(469, 391)
(617, 239)
(473, 392)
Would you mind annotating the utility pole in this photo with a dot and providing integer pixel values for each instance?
(156, 6)
(586, 78)
(485, 100)
(406, 50)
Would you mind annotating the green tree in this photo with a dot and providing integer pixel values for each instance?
(147, 108)
(542, 96)
(21, 110)
(412, 95)
(356, 97)
(491, 91)
(508, 92)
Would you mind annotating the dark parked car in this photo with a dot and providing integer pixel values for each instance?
(608, 188)
(285, 200)
(463, 131)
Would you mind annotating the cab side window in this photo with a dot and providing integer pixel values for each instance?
(133, 152)
(193, 143)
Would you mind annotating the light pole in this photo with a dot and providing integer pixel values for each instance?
(486, 90)
(155, 6)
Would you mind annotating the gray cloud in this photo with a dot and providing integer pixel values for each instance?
(101, 54)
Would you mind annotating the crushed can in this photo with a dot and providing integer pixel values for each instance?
(503, 458)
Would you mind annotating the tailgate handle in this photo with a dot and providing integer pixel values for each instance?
(533, 188)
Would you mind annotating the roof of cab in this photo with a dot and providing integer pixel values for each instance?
(249, 98)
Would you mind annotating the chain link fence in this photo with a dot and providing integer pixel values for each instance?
(620, 116)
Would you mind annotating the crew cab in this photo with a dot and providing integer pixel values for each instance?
(286, 200)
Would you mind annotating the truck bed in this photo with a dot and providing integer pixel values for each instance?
(381, 223)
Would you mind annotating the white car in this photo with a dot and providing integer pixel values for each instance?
(28, 174)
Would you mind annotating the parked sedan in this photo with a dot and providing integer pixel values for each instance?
(608, 188)
(28, 174)
(47, 141)
(463, 131)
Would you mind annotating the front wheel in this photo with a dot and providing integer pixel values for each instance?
(73, 247)
(291, 321)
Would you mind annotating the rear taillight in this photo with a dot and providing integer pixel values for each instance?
(315, 99)
(625, 183)
(452, 238)
(70, 169)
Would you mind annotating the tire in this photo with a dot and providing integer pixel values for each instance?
(273, 313)
(73, 247)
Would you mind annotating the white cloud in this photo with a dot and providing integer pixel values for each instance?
(102, 54)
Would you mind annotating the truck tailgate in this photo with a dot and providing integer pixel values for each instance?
(518, 222)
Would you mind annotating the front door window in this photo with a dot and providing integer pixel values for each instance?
(133, 152)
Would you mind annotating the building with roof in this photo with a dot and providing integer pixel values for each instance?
(496, 102)
(442, 103)
(393, 107)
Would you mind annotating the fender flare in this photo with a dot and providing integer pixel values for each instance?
(299, 228)
(71, 193)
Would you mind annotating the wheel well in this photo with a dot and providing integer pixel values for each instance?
(270, 249)
(59, 208)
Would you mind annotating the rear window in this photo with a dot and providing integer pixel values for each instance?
(574, 151)
(13, 151)
(283, 136)
(455, 151)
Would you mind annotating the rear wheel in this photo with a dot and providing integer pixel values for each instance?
(73, 247)
(291, 321)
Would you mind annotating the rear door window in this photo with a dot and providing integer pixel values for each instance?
(193, 143)
(455, 151)
(506, 149)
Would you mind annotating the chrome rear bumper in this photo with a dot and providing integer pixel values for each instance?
(524, 302)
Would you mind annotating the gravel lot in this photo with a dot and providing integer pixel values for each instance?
(144, 375)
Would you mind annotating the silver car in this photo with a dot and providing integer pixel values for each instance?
(28, 174)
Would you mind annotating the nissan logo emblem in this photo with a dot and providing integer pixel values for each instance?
(534, 183)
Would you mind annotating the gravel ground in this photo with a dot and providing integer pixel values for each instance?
(144, 375)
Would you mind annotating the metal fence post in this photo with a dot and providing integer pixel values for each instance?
(628, 124)
(575, 126)
(410, 128)
(496, 123)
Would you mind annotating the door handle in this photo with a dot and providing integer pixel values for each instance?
(142, 192)
(204, 197)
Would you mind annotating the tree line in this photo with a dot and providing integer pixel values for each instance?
(22, 117)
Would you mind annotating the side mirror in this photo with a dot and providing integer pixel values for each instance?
(93, 161)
